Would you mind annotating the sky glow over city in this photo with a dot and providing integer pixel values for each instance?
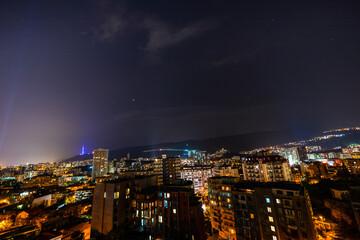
(129, 73)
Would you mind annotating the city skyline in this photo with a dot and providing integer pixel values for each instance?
(116, 74)
(179, 120)
(303, 190)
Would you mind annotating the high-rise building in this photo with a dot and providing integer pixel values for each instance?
(170, 212)
(255, 210)
(164, 212)
(221, 208)
(271, 168)
(112, 202)
(167, 169)
(291, 154)
(199, 175)
(100, 166)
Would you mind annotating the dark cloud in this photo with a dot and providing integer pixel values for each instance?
(162, 35)
(110, 18)
(114, 18)
(112, 27)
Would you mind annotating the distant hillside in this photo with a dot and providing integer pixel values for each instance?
(234, 143)
(350, 137)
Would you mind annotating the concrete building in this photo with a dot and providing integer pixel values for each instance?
(291, 154)
(227, 171)
(112, 202)
(221, 208)
(341, 193)
(83, 193)
(170, 212)
(271, 168)
(167, 169)
(199, 175)
(255, 210)
(100, 166)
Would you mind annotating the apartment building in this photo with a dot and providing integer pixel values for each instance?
(112, 202)
(271, 168)
(167, 169)
(170, 212)
(199, 175)
(255, 210)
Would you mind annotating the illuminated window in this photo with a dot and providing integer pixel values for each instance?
(269, 209)
(274, 238)
(116, 195)
(271, 219)
(267, 200)
(278, 201)
(174, 211)
(160, 219)
(272, 228)
(252, 216)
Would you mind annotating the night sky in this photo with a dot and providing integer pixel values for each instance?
(124, 73)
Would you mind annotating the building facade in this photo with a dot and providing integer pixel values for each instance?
(221, 207)
(112, 202)
(199, 175)
(271, 168)
(254, 210)
(100, 165)
(170, 212)
(167, 169)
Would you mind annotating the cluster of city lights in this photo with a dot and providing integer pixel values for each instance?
(311, 140)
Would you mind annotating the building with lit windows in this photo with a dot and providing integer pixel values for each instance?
(271, 168)
(113, 202)
(100, 165)
(291, 154)
(221, 207)
(256, 210)
(167, 169)
(199, 175)
(352, 165)
(170, 212)
(227, 171)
